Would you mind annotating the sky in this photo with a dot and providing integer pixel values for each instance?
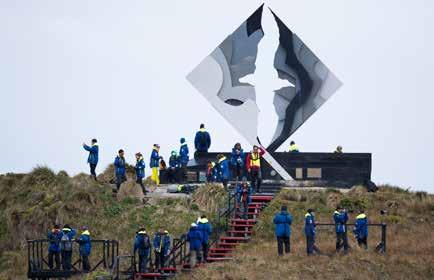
(115, 70)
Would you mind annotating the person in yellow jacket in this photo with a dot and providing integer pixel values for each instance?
(253, 164)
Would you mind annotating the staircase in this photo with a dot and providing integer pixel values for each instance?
(239, 230)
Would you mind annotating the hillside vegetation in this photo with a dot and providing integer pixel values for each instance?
(30, 203)
(410, 248)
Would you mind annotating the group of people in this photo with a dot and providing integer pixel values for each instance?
(198, 239)
(61, 245)
(283, 221)
(177, 161)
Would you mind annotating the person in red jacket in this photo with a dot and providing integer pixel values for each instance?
(253, 164)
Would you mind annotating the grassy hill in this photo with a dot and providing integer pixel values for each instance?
(30, 203)
(410, 252)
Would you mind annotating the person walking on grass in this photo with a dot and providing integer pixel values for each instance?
(155, 164)
(340, 218)
(120, 169)
(92, 159)
(85, 248)
(282, 223)
(310, 232)
(140, 171)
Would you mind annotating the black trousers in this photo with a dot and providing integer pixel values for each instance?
(205, 247)
(54, 256)
(281, 241)
(92, 170)
(140, 182)
(85, 262)
(225, 183)
(237, 171)
(160, 260)
(363, 242)
(341, 241)
(256, 178)
(66, 260)
(171, 175)
(119, 180)
(310, 245)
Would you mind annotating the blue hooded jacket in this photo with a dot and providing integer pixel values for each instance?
(184, 155)
(202, 140)
(173, 161)
(195, 238)
(361, 227)
(237, 157)
(93, 153)
(205, 228)
(142, 244)
(161, 243)
(119, 165)
(309, 224)
(239, 192)
(340, 221)
(54, 237)
(224, 169)
(155, 159)
(85, 243)
(283, 222)
(69, 232)
(140, 168)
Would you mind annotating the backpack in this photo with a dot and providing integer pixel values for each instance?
(66, 244)
(202, 140)
(146, 242)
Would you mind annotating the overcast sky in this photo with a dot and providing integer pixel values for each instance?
(115, 70)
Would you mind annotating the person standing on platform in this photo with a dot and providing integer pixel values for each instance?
(338, 150)
(253, 162)
(293, 147)
(184, 157)
(155, 164)
(54, 237)
(340, 218)
(93, 157)
(202, 141)
(120, 169)
(224, 170)
(282, 222)
(237, 161)
(173, 167)
(85, 248)
(140, 171)
(68, 235)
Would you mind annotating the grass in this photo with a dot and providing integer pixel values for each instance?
(410, 239)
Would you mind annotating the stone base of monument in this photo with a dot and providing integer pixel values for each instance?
(307, 169)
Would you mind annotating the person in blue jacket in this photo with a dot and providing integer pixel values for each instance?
(155, 164)
(282, 222)
(340, 218)
(54, 237)
(205, 228)
(361, 229)
(142, 245)
(195, 239)
(202, 141)
(243, 195)
(173, 167)
(184, 157)
(85, 248)
(66, 240)
(140, 171)
(237, 161)
(120, 169)
(225, 174)
(161, 245)
(93, 157)
(310, 232)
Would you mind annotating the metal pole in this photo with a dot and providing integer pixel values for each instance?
(383, 236)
